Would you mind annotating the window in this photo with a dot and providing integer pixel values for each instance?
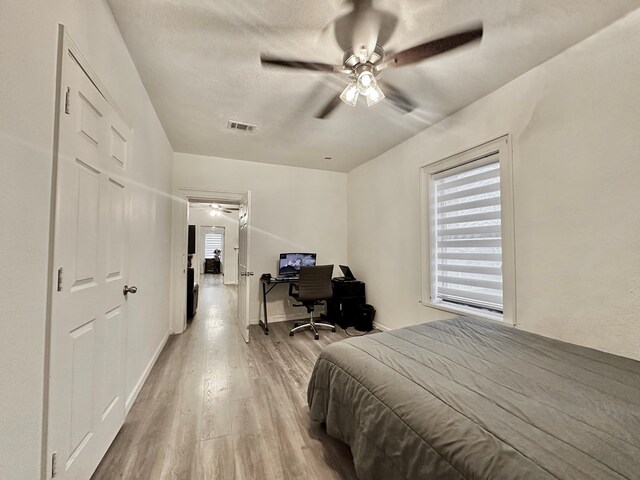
(468, 242)
(212, 242)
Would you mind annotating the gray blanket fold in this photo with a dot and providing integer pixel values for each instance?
(466, 398)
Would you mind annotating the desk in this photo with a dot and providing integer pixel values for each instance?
(211, 265)
(267, 286)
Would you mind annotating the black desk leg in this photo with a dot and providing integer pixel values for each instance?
(265, 324)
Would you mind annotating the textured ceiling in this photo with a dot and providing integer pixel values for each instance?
(199, 61)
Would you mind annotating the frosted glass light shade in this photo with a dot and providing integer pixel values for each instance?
(374, 95)
(350, 94)
(366, 81)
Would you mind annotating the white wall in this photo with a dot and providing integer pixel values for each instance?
(575, 125)
(28, 35)
(293, 209)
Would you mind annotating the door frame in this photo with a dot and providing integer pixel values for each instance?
(180, 214)
(66, 48)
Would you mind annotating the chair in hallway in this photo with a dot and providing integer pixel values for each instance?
(313, 287)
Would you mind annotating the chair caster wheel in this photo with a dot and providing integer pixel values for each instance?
(317, 337)
(291, 334)
(333, 329)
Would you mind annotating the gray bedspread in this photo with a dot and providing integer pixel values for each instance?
(466, 398)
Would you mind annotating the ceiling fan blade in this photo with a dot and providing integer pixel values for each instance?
(388, 23)
(398, 99)
(296, 64)
(432, 48)
(366, 28)
(343, 30)
(329, 107)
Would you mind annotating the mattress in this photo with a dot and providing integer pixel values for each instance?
(471, 399)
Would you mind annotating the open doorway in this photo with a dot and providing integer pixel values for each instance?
(216, 240)
(211, 257)
(215, 250)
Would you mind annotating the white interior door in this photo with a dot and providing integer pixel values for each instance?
(244, 266)
(88, 331)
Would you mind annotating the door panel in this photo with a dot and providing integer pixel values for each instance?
(118, 147)
(82, 364)
(89, 311)
(115, 229)
(110, 390)
(87, 205)
(90, 119)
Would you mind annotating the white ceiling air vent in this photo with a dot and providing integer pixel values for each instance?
(243, 127)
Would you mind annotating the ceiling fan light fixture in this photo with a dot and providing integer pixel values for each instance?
(374, 95)
(366, 81)
(215, 210)
(350, 94)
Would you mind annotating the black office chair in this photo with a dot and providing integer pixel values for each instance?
(313, 287)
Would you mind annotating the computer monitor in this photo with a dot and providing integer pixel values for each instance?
(290, 263)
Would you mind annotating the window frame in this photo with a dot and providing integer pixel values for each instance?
(502, 148)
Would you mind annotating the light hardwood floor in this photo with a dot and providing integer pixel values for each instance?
(214, 407)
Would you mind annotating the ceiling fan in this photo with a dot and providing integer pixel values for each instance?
(217, 208)
(365, 60)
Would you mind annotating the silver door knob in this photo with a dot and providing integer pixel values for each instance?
(128, 289)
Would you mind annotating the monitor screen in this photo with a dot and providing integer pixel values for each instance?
(290, 263)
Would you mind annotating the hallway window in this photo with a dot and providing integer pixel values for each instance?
(212, 242)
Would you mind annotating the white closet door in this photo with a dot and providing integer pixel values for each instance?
(89, 309)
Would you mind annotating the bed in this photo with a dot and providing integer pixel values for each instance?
(471, 399)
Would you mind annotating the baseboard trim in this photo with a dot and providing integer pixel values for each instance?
(131, 398)
(380, 326)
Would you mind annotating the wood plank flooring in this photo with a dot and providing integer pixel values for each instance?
(214, 407)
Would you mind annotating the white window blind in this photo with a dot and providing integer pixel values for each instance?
(468, 238)
(212, 241)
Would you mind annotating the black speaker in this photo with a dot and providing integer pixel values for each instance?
(191, 244)
(364, 318)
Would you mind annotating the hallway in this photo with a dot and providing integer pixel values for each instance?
(214, 407)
